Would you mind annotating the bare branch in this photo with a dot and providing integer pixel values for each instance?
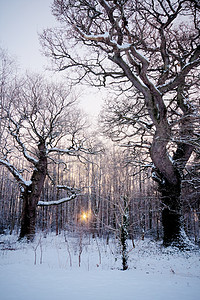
(57, 202)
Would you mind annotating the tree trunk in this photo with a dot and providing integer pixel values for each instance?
(167, 174)
(171, 214)
(28, 218)
(31, 196)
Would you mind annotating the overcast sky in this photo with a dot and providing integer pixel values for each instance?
(20, 23)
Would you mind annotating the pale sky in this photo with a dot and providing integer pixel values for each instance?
(20, 23)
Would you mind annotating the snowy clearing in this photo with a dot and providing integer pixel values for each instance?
(81, 267)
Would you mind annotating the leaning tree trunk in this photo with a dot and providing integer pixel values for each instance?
(31, 196)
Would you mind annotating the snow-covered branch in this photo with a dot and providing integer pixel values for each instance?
(15, 172)
(67, 188)
(93, 37)
(57, 202)
(180, 76)
(73, 151)
(105, 38)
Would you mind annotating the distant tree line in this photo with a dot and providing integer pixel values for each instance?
(109, 189)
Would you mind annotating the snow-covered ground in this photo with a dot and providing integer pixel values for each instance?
(77, 267)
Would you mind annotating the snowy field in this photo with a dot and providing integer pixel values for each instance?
(77, 267)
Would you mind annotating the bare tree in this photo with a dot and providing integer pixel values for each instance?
(153, 48)
(40, 120)
(7, 75)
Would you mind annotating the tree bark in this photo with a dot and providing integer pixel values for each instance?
(168, 175)
(171, 214)
(31, 196)
(169, 180)
(28, 218)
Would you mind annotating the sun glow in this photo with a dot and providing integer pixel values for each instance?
(84, 216)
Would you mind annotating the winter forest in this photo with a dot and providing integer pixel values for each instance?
(83, 199)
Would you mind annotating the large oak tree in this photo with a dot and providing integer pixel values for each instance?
(40, 124)
(150, 49)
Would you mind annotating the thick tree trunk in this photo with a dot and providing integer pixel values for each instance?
(31, 196)
(171, 214)
(167, 174)
(28, 218)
